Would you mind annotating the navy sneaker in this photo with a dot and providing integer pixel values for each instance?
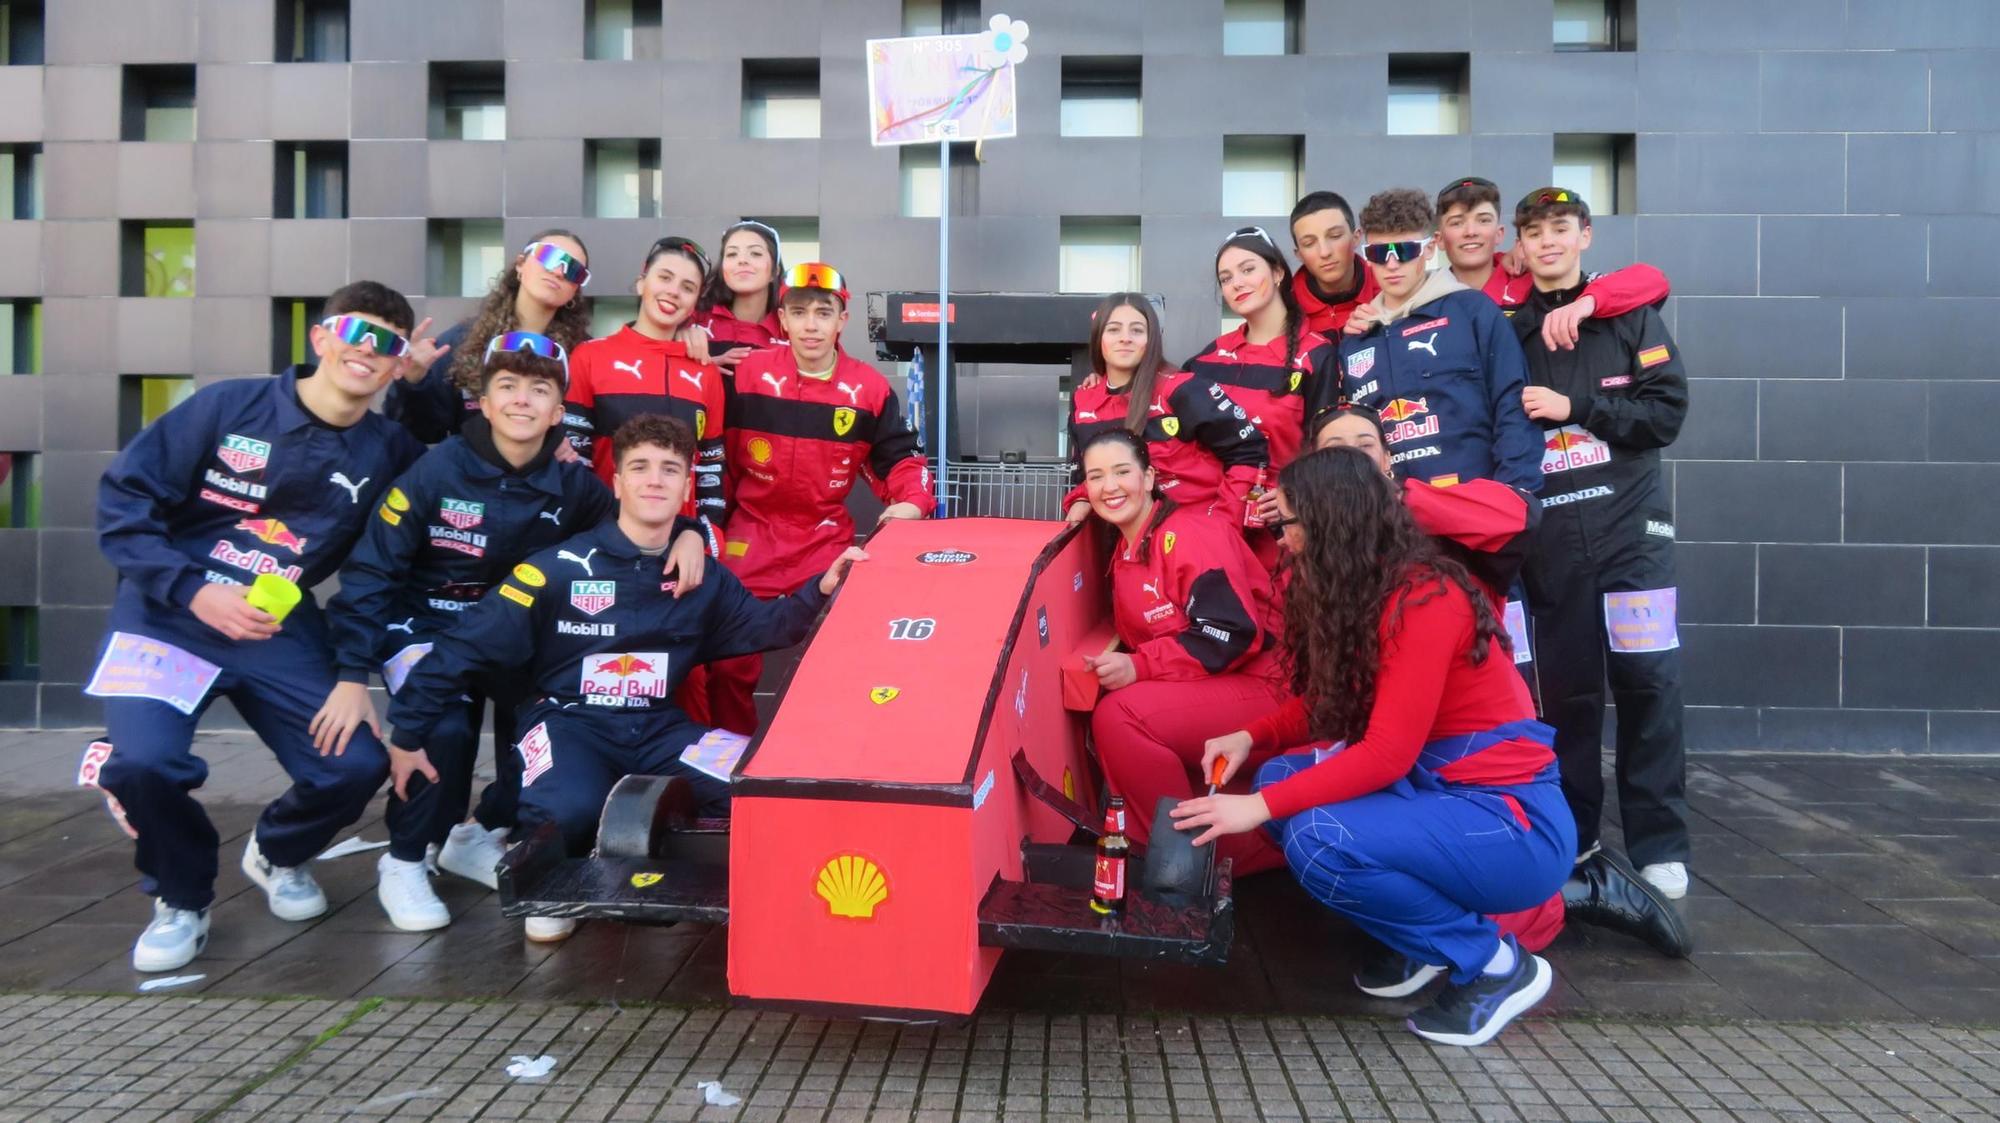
(1474, 1013)
(1387, 973)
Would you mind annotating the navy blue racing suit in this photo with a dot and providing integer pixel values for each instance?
(606, 645)
(448, 531)
(238, 480)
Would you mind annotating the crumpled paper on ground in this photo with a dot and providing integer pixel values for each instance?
(711, 1091)
(531, 1068)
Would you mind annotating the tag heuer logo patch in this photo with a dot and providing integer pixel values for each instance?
(593, 597)
(243, 454)
(461, 514)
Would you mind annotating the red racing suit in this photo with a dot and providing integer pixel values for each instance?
(1328, 315)
(795, 445)
(1271, 386)
(1617, 292)
(623, 375)
(1204, 449)
(727, 333)
(1189, 600)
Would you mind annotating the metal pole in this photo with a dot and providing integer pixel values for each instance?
(944, 321)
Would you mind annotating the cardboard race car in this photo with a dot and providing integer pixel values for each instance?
(921, 801)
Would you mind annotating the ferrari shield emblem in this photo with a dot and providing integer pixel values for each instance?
(700, 424)
(882, 695)
(1171, 426)
(1297, 377)
(645, 880)
(1167, 543)
(843, 420)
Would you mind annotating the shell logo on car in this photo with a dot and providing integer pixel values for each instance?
(851, 886)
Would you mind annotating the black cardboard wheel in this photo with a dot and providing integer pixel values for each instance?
(640, 812)
(1176, 870)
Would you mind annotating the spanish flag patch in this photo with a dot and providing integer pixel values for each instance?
(1653, 356)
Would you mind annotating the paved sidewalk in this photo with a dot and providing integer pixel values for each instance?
(139, 1058)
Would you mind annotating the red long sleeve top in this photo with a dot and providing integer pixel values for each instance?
(1426, 689)
(1616, 292)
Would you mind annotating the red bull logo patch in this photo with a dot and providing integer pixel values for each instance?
(1398, 425)
(274, 533)
(243, 454)
(255, 561)
(629, 679)
(1571, 447)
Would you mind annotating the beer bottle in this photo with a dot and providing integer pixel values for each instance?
(1107, 896)
(1257, 489)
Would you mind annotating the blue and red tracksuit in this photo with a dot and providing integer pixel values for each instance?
(1446, 810)
(447, 532)
(1446, 379)
(237, 481)
(1204, 450)
(1196, 612)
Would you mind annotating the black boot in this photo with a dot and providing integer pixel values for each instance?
(1604, 891)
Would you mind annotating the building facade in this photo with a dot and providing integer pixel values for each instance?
(1819, 178)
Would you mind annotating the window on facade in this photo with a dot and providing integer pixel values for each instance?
(463, 257)
(21, 32)
(468, 101)
(157, 258)
(622, 178)
(20, 490)
(920, 180)
(1428, 94)
(798, 238)
(1260, 174)
(1603, 167)
(1101, 97)
(158, 103)
(142, 399)
(292, 320)
(781, 98)
(310, 180)
(1099, 255)
(940, 17)
(621, 29)
(1596, 25)
(20, 181)
(311, 31)
(20, 337)
(20, 643)
(1260, 27)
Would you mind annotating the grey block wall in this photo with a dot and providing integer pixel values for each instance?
(1820, 178)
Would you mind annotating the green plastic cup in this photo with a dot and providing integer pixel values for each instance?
(274, 594)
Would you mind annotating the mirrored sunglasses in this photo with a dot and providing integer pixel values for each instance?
(559, 261)
(353, 331)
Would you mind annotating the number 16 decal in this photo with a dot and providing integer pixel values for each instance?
(919, 628)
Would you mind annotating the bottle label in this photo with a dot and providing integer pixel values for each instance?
(1110, 884)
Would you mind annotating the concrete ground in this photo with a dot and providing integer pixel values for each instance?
(1847, 911)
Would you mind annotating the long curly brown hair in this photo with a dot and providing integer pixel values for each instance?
(570, 326)
(1362, 552)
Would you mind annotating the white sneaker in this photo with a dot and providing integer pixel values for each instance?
(473, 852)
(1670, 878)
(293, 893)
(549, 929)
(404, 888)
(172, 940)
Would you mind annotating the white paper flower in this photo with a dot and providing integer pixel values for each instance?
(1007, 41)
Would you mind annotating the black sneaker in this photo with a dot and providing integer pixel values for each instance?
(1474, 1013)
(1387, 973)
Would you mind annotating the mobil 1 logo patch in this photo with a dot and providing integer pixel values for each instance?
(947, 557)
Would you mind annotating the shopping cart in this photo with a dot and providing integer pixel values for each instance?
(1019, 490)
